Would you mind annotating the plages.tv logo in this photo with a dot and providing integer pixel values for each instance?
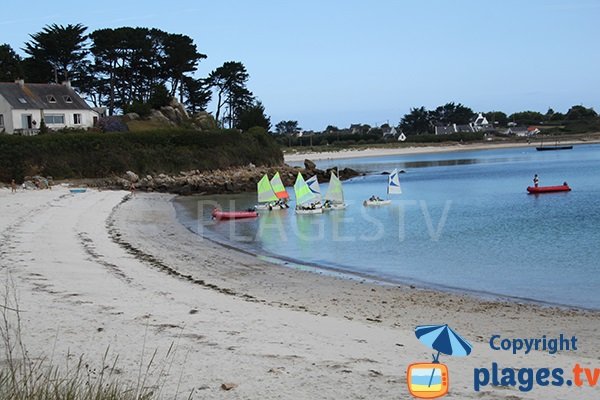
(428, 380)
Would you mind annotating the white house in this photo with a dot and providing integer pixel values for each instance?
(24, 105)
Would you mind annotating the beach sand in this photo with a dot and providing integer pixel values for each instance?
(100, 270)
(423, 149)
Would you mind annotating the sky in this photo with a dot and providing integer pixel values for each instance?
(341, 62)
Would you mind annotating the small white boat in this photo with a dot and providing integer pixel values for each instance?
(270, 207)
(334, 207)
(392, 188)
(306, 211)
(376, 202)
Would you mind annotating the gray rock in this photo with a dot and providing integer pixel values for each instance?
(132, 176)
(309, 165)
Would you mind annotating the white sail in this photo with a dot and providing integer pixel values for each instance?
(335, 193)
(394, 183)
(313, 184)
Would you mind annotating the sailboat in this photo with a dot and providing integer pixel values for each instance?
(278, 187)
(267, 199)
(392, 188)
(306, 200)
(313, 185)
(334, 198)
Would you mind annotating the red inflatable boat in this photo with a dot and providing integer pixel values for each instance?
(218, 214)
(548, 189)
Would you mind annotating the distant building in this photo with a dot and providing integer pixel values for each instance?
(477, 124)
(522, 131)
(389, 131)
(454, 128)
(24, 105)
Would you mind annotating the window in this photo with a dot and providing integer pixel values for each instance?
(22, 100)
(67, 99)
(54, 119)
(77, 119)
(1, 120)
(51, 99)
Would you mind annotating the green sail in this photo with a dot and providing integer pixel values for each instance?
(303, 193)
(265, 191)
(335, 194)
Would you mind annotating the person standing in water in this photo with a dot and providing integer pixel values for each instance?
(536, 180)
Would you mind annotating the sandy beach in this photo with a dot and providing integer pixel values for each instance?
(103, 270)
(415, 149)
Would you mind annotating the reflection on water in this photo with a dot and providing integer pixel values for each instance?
(464, 221)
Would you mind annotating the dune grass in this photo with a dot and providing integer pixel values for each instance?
(23, 377)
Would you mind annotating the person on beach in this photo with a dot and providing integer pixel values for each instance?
(13, 186)
(536, 180)
(132, 189)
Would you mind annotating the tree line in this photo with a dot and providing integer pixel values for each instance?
(127, 69)
(422, 121)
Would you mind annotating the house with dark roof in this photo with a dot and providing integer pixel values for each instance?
(23, 106)
(454, 128)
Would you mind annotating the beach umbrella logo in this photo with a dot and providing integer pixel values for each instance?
(428, 380)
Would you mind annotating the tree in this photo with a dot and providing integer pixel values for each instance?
(287, 128)
(451, 113)
(130, 62)
(417, 122)
(526, 117)
(331, 129)
(254, 116)
(580, 112)
(10, 64)
(496, 118)
(180, 57)
(196, 93)
(229, 84)
(63, 47)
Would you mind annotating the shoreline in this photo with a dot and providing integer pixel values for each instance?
(105, 270)
(346, 274)
(412, 150)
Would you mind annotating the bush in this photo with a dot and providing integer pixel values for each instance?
(95, 155)
(160, 97)
(142, 109)
(112, 124)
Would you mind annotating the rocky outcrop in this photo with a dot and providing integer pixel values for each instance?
(175, 114)
(233, 180)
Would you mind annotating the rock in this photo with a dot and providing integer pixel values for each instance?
(170, 113)
(158, 116)
(228, 386)
(130, 117)
(179, 108)
(132, 176)
(309, 165)
(204, 121)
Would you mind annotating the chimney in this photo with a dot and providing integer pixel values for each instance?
(67, 83)
(21, 82)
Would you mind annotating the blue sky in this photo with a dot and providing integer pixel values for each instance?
(342, 62)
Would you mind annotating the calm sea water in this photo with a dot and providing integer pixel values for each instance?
(464, 221)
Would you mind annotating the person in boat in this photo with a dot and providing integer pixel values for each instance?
(327, 204)
(536, 180)
(565, 183)
(372, 198)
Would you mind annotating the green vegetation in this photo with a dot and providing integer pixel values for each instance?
(133, 70)
(96, 155)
